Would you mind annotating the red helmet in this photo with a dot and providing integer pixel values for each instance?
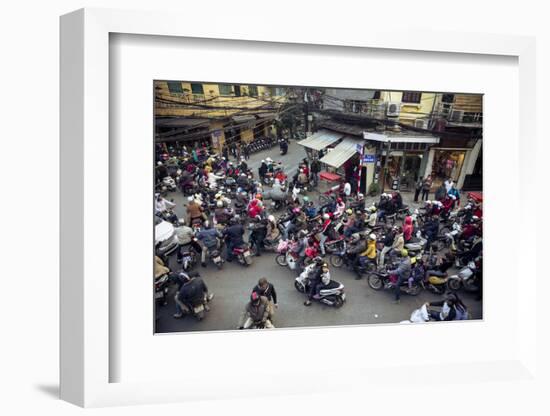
(338, 199)
(258, 196)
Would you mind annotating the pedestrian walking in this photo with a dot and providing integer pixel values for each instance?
(426, 186)
(418, 188)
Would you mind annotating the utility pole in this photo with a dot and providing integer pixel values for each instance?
(306, 114)
(386, 166)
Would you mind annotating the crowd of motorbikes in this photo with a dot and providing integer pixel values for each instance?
(310, 236)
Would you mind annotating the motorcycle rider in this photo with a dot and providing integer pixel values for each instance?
(371, 222)
(258, 234)
(212, 180)
(319, 277)
(452, 308)
(264, 288)
(162, 206)
(210, 239)
(369, 255)
(323, 233)
(233, 235)
(407, 229)
(257, 312)
(357, 246)
(194, 210)
(388, 243)
(192, 292)
(185, 235)
(402, 272)
(431, 229)
(340, 207)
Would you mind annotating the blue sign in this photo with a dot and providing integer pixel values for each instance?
(369, 159)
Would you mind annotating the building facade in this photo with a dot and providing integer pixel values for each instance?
(213, 115)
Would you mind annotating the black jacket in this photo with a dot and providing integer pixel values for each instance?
(262, 170)
(234, 234)
(193, 291)
(269, 292)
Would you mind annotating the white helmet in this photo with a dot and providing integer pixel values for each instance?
(372, 236)
(190, 199)
(263, 161)
(181, 221)
(360, 195)
(271, 218)
(219, 204)
(159, 163)
(326, 216)
(355, 237)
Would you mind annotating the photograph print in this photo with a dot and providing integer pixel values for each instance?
(299, 207)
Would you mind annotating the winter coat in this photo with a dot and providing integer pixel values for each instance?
(273, 232)
(398, 242)
(208, 237)
(259, 312)
(404, 269)
(235, 234)
(408, 228)
(194, 210)
(160, 268)
(359, 247)
(371, 250)
(184, 234)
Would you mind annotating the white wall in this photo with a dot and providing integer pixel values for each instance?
(29, 172)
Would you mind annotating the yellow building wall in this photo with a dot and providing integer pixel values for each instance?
(247, 135)
(411, 111)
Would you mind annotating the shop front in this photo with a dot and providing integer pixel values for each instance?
(447, 163)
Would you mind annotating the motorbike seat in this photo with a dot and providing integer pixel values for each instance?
(238, 250)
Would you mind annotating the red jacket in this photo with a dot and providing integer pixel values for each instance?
(407, 228)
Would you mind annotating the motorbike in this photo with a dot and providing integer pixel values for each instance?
(342, 258)
(161, 289)
(215, 255)
(465, 278)
(197, 308)
(332, 295)
(243, 255)
(188, 259)
(169, 183)
(381, 279)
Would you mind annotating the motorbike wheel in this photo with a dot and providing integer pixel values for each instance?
(375, 282)
(281, 260)
(299, 287)
(338, 302)
(414, 290)
(336, 260)
(453, 284)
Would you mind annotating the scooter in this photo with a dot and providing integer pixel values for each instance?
(332, 295)
(161, 289)
(381, 279)
(169, 183)
(464, 279)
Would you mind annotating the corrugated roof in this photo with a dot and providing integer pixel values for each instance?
(342, 152)
(321, 139)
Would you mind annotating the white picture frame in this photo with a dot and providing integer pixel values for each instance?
(85, 266)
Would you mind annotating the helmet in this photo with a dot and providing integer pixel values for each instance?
(326, 216)
(268, 159)
(159, 163)
(219, 204)
(206, 224)
(372, 236)
(242, 174)
(338, 199)
(181, 221)
(271, 218)
(413, 260)
(475, 218)
(183, 276)
(254, 297)
(301, 171)
(263, 161)
(373, 209)
(349, 211)
(190, 199)
(258, 196)
(404, 253)
(258, 218)
(360, 195)
(259, 204)
(355, 237)
(428, 202)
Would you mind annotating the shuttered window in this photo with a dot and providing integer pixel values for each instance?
(175, 87)
(411, 97)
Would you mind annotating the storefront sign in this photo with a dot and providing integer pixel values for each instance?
(369, 159)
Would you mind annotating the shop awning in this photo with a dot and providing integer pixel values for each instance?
(179, 122)
(321, 139)
(400, 138)
(243, 119)
(342, 152)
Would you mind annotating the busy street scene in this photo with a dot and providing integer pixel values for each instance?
(296, 207)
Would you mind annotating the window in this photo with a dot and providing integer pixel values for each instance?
(253, 90)
(411, 97)
(197, 89)
(376, 95)
(448, 98)
(175, 87)
(277, 92)
(226, 89)
(237, 90)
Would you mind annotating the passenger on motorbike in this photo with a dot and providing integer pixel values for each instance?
(194, 211)
(452, 308)
(264, 288)
(418, 271)
(371, 222)
(257, 312)
(323, 233)
(403, 271)
(192, 292)
(340, 207)
(408, 229)
(273, 233)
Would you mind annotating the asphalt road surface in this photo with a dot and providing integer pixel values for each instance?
(233, 284)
